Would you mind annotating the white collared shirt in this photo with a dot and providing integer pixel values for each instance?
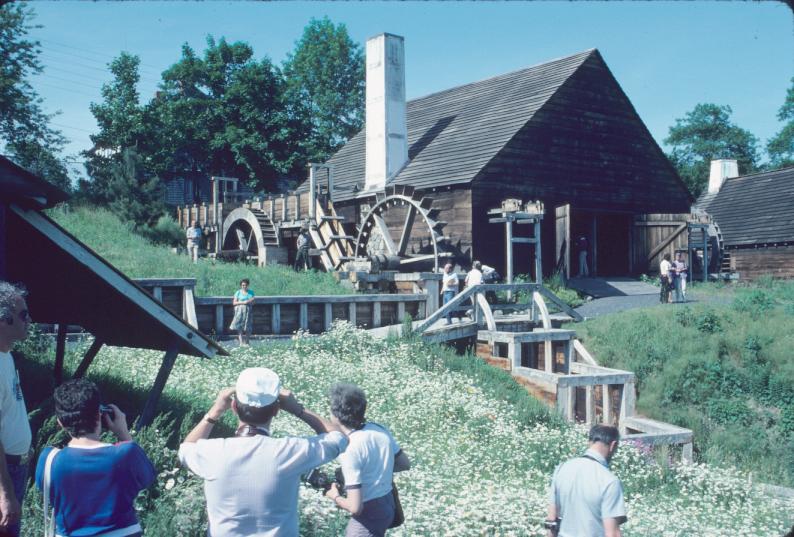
(251, 483)
(14, 425)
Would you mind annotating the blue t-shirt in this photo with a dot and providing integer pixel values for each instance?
(93, 490)
(239, 295)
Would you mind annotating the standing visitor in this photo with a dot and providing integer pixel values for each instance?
(665, 268)
(681, 273)
(15, 435)
(368, 465)
(582, 246)
(93, 484)
(302, 261)
(193, 235)
(449, 287)
(585, 497)
(251, 480)
(243, 316)
(474, 277)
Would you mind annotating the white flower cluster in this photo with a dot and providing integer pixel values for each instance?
(477, 470)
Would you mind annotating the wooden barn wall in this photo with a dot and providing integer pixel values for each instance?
(756, 262)
(652, 230)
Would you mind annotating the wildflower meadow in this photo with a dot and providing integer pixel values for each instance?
(482, 451)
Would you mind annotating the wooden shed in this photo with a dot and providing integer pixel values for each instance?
(562, 132)
(755, 214)
(69, 284)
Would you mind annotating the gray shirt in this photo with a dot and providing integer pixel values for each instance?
(251, 483)
(585, 491)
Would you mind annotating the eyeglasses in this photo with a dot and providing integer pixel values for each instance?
(24, 316)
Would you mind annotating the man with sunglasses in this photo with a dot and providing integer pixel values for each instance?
(15, 434)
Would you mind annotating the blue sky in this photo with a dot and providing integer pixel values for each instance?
(667, 56)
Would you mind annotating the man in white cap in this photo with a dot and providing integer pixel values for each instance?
(251, 480)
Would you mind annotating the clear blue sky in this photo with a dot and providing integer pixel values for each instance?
(667, 56)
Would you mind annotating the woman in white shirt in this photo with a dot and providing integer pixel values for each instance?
(368, 464)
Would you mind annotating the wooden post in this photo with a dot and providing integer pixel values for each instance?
(422, 310)
(705, 255)
(594, 272)
(90, 354)
(686, 453)
(433, 290)
(565, 401)
(538, 252)
(627, 403)
(157, 293)
(351, 315)
(297, 197)
(509, 246)
(312, 193)
(548, 356)
(375, 314)
(283, 208)
(272, 209)
(514, 354)
(589, 406)
(400, 311)
(218, 320)
(606, 405)
(568, 357)
(149, 409)
(328, 317)
(60, 351)
(303, 319)
(275, 319)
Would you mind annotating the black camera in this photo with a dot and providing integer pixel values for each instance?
(552, 525)
(318, 480)
(108, 411)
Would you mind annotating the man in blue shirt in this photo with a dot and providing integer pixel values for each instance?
(585, 494)
(93, 484)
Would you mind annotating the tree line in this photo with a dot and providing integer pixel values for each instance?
(223, 111)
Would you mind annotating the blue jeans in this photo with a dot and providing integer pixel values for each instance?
(449, 295)
(19, 478)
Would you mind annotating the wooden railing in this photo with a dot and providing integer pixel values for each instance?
(280, 315)
(283, 209)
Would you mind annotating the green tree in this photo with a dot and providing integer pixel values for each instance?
(25, 132)
(136, 196)
(707, 133)
(781, 146)
(121, 126)
(325, 86)
(223, 114)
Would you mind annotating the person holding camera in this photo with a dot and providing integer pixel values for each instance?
(251, 480)
(368, 465)
(585, 497)
(91, 484)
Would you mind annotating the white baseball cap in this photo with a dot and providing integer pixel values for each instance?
(257, 387)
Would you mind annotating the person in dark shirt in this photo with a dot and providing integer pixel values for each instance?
(93, 484)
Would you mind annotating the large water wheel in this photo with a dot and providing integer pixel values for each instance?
(400, 233)
(246, 234)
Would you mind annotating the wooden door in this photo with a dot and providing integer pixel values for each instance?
(655, 235)
(562, 219)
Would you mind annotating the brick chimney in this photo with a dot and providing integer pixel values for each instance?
(387, 133)
(721, 169)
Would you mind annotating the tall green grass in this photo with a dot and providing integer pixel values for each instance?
(137, 257)
(725, 370)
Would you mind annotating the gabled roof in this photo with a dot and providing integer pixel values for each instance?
(22, 187)
(754, 209)
(454, 133)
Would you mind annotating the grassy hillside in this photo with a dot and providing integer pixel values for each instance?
(483, 449)
(138, 258)
(724, 370)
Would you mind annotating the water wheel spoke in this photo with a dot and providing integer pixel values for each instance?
(388, 242)
(406, 232)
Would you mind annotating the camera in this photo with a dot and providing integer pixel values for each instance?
(318, 480)
(108, 411)
(552, 525)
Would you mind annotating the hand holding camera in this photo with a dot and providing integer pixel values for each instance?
(115, 420)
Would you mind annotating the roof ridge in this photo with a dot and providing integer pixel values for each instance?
(764, 172)
(585, 54)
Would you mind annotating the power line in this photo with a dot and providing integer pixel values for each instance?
(70, 127)
(103, 63)
(84, 94)
(90, 51)
(67, 80)
(106, 71)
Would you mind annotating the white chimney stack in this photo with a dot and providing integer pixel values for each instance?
(387, 133)
(721, 169)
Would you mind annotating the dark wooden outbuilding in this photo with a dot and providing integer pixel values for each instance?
(755, 214)
(562, 132)
(69, 284)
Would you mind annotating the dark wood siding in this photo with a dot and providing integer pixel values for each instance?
(751, 263)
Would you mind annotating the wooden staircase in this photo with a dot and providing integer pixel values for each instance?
(329, 237)
(269, 232)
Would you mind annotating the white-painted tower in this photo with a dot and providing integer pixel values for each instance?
(387, 133)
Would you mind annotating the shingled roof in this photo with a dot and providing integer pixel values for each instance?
(754, 209)
(454, 133)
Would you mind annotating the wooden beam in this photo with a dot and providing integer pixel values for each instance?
(375, 314)
(662, 245)
(60, 351)
(406, 232)
(591, 380)
(189, 307)
(275, 319)
(303, 316)
(328, 316)
(351, 314)
(400, 311)
(388, 242)
(509, 250)
(606, 405)
(157, 293)
(589, 406)
(89, 356)
(147, 415)
(218, 321)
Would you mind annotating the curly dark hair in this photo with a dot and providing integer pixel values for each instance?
(348, 404)
(77, 406)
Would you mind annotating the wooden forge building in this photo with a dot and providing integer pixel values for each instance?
(562, 132)
(755, 215)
